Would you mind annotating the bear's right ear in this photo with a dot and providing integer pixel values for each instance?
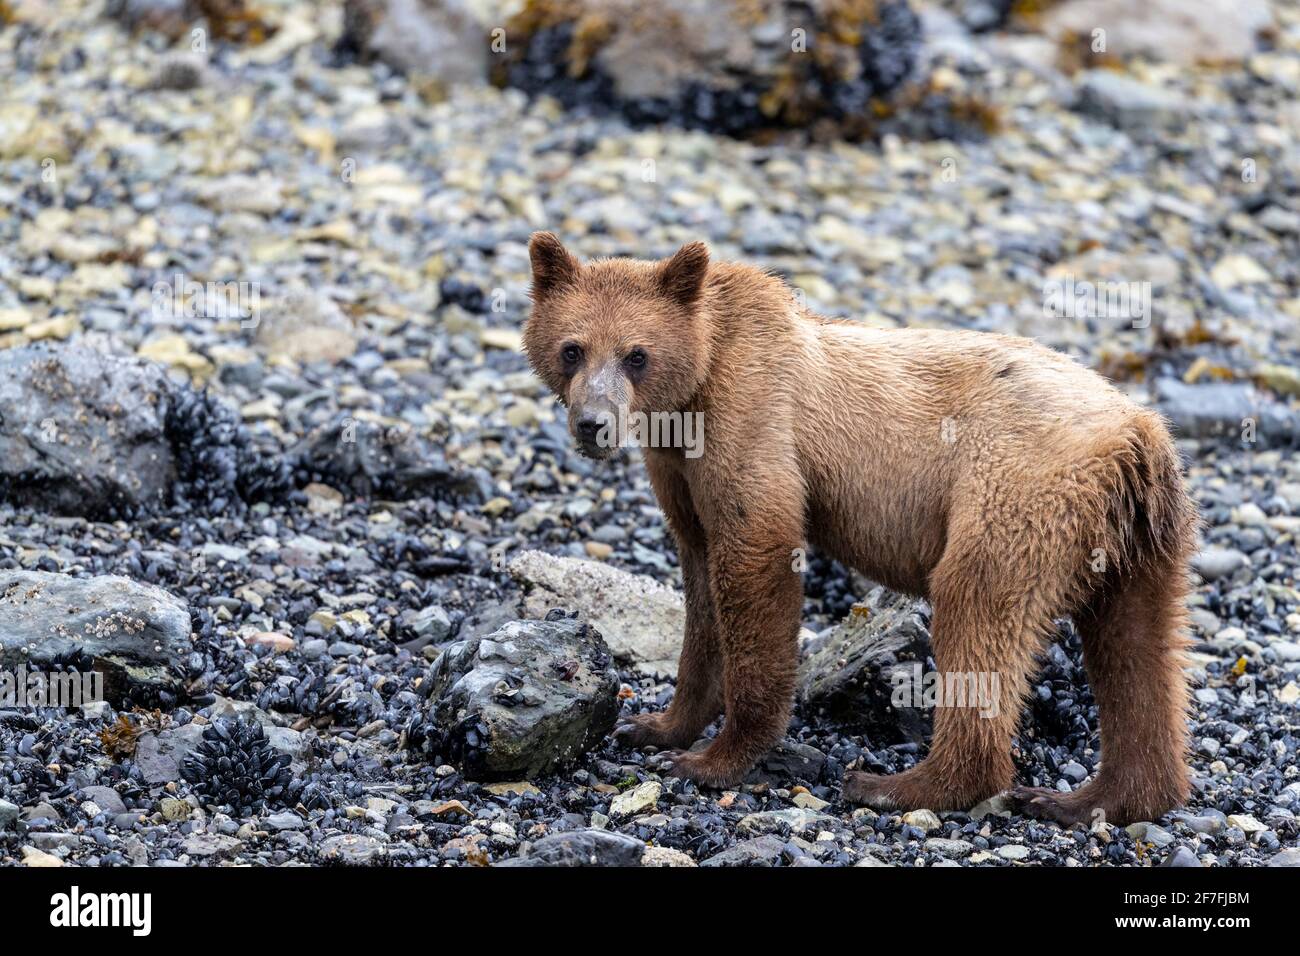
(553, 266)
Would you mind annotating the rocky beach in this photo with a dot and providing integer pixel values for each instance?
(273, 464)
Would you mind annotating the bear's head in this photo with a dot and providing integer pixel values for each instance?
(617, 337)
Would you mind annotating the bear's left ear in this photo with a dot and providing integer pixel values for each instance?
(682, 276)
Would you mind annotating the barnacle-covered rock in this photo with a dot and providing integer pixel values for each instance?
(83, 432)
(136, 635)
(236, 767)
(525, 700)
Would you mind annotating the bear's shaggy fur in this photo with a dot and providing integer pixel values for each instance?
(1000, 480)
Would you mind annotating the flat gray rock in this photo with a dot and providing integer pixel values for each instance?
(640, 619)
(582, 848)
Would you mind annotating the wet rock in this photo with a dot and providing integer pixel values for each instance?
(851, 672)
(640, 619)
(582, 848)
(106, 798)
(1231, 411)
(137, 635)
(787, 762)
(158, 755)
(759, 851)
(351, 849)
(527, 699)
(8, 814)
(370, 459)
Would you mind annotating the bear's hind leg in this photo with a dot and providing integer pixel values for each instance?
(987, 632)
(1133, 643)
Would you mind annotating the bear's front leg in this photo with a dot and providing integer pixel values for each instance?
(758, 597)
(697, 701)
(698, 698)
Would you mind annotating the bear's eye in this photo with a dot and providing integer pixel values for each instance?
(572, 355)
(636, 358)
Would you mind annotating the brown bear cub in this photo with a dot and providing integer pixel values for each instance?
(1000, 480)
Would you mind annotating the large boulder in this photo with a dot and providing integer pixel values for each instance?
(723, 65)
(83, 432)
(852, 671)
(525, 700)
(137, 635)
(640, 619)
(447, 40)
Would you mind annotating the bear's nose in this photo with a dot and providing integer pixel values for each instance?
(588, 428)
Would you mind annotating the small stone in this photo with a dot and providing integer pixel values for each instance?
(1213, 563)
(639, 798)
(1013, 851)
(995, 806)
(956, 849)
(285, 821)
(598, 550)
(1245, 823)
(39, 858)
(808, 801)
(924, 820)
(350, 849)
(174, 810)
(583, 848)
(1182, 857)
(666, 856)
(276, 641)
(512, 789)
